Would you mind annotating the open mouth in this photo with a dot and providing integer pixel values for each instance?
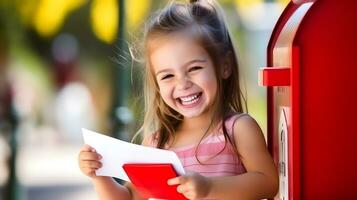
(190, 100)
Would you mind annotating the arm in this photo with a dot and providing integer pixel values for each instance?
(107, 189)
(259, 182)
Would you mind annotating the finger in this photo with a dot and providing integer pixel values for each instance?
(176, 180)
(91, 164)
(86, 148)
(88, 156)
(181, 189)
(173, 181)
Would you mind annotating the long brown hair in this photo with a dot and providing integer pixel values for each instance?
(204, 20)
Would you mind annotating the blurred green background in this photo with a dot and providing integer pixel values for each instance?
(64, 65)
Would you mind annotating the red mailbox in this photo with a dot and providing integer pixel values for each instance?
(312, 99)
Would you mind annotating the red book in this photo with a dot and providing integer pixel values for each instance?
(150, 180)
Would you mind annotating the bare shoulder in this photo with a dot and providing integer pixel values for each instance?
(249, 137)
(247, 126)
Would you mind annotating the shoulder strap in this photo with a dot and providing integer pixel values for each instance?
(230, 122)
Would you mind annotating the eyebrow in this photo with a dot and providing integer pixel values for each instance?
(188, 63)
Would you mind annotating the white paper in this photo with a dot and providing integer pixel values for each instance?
(116, 152)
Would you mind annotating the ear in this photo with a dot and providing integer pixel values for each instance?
(227, 67)
(226, 71)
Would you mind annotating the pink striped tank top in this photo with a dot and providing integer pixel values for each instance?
(216, 158)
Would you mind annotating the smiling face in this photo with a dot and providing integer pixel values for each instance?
(184, 73)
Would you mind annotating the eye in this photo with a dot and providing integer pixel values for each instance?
(195, 68)
(167, 76)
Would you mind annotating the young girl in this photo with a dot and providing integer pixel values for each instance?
(194, 108)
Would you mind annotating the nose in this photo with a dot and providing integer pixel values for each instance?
(184, 83)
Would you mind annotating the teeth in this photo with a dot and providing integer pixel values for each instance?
(189, 99)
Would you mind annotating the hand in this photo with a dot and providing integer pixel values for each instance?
(192, 185)
(89, 160)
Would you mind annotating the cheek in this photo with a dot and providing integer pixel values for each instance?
(210, 83)
(165, 93)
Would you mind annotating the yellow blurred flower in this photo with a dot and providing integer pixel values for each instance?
(104, 19)
(247, 3)
(136, 11)
(283, 2)
(51, 14)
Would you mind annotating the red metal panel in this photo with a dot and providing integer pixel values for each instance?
(328, 58)
(294, 129)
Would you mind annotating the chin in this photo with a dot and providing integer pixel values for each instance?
(192, 114)
(189, 116)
